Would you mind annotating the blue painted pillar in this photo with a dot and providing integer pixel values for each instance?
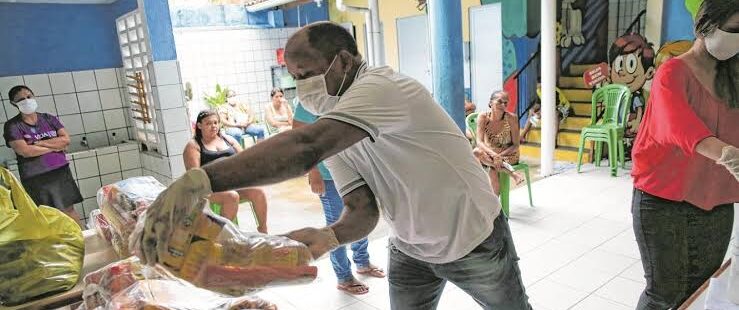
(445, 26)
(159, 24)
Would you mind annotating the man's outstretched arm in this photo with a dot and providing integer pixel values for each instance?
(284, 156)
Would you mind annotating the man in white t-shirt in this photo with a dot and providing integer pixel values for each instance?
(388, 146)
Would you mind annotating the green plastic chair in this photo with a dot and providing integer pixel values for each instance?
(504, 178)
(216, 208)
(505, 186)
(270, 130)
(471, 121)
(610, 129)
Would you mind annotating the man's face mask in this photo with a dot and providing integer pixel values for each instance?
(313, 94)
(721, 44)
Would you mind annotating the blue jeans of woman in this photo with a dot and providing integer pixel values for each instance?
(489, 274)
(681, 246)
(332, 208)
(254, 130)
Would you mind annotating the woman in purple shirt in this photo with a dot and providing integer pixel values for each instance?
(39, 141)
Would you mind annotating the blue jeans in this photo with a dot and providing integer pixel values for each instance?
(253, 130)
(332, 207)
(489, 274)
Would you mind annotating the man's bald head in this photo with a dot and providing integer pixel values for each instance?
(324, 39)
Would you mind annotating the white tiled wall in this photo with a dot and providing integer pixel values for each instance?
(237, 58)
(102, 166)
(92, 105)
(89, 103)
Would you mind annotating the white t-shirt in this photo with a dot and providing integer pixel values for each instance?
(432, 191)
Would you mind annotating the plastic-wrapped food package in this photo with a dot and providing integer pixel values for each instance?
(127, 284)
(41, 249)
(100, 224)
(122, 203)
(210, 252)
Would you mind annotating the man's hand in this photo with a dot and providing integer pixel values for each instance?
(169, 210)
(730, 160)
(319, 241)
(316, 182)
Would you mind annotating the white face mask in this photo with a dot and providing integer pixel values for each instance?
(27, 106)
(313, 94)
(721, 44)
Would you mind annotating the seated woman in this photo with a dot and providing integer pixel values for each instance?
(279, 114)
(209, 145)
(497, 140)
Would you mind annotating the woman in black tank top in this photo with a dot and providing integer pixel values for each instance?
(209, 145)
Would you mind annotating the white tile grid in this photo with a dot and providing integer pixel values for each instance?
(39, 83)
(97, 139)
(176, 142)
(114, 119)
(247, 56)
(110, 178)
(130, 160)
(74, 94)
(93, 122)
(106, 78)
(109, 163)
(88, 205)
(84, 80)
(131, 173)
(89, 186)
(89, 101)
(7, 82)
(177, 166)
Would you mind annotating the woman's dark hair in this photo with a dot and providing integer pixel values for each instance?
(711, 15)
(275, 91)
(202, 115)
(15, 90)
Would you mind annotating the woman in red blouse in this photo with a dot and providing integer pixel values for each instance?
(686, 164)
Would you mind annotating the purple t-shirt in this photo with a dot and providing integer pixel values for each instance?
(46, 128)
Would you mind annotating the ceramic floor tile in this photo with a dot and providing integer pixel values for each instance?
(554, 295)
(623, 291)
(610, 263)
(594, 302)
(634, 273)
(455, 298)
(584, 279)
(359, 306)
(623, 244)
(594, 232)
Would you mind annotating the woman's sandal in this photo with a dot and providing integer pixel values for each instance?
(372, 271)
(353, 287)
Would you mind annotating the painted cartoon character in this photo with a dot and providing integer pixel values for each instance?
(631, 60)
(571, 20)
(670, 50)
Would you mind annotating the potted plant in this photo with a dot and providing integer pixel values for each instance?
(218, 98)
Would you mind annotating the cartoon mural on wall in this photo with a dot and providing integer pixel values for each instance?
(631, 60)
(584, 32)
(571, 22)
(670, 50)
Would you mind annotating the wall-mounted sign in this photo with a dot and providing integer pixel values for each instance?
(595, 75)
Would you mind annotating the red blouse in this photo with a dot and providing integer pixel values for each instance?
(681, 113)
